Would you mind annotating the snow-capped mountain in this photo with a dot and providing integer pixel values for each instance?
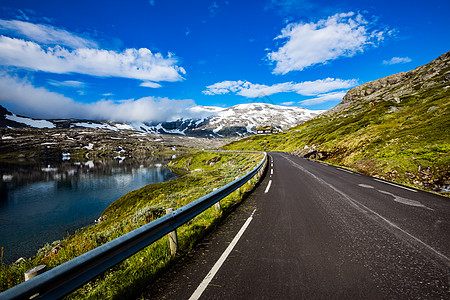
(238, 120)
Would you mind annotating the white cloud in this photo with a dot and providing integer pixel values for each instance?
(67, 83)
(150, 84)
(131, 63)
(397, 60)
(334, 96)
(22, 97)
(288, 103)
(45, 34)
(306, 88)
(341, 35)
(25, 99)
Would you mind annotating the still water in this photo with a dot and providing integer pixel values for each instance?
(45, 202)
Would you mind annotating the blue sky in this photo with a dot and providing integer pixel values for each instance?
(154, 60)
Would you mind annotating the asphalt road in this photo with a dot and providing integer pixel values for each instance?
(313, 231)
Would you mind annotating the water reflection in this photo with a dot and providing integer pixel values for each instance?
(42, 202)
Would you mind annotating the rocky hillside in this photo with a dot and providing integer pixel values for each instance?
(396, 128)
(239, 120)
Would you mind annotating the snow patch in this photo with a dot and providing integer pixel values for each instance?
(124, 127)
(94, 126)
(89, 147)
(31, 122)
(218, 129)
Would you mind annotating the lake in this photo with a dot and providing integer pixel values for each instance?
(44, 202)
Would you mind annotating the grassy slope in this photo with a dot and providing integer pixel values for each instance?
(410, 145)
(137, 208)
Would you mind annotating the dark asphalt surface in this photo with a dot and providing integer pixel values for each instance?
(321, 232)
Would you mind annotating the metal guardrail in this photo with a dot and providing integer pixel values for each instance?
(71, 275)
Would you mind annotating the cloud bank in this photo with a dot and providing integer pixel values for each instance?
(308, 44)
(131, 63)
(306, 88)
(23, 98)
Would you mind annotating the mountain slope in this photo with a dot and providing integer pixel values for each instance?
(239, 120)
(395, 128)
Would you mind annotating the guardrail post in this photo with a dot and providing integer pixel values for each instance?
(217, 206)
(173, 239)
(240, 188)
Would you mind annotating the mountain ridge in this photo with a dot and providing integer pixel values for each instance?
(235, 121)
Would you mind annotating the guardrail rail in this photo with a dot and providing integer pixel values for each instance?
(71, 275)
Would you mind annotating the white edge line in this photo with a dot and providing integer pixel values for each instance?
(268, 187)
(396, 185)
(204, 284)
(345, 170)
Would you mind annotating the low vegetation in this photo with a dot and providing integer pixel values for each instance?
(203, 172)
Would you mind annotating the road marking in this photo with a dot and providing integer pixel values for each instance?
(271, 171)
(268, 187)
(367, 210)
(397, 198)
(393, 184)
(345, 170)
(366, 186)
(204, 284)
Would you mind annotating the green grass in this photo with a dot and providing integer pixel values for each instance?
(131, 277)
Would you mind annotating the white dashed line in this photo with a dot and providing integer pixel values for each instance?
(204, 284)
(393, 184)
(268, 187)
(346, 171)
(271, 171)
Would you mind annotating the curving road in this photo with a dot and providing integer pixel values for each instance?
(314, 231)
